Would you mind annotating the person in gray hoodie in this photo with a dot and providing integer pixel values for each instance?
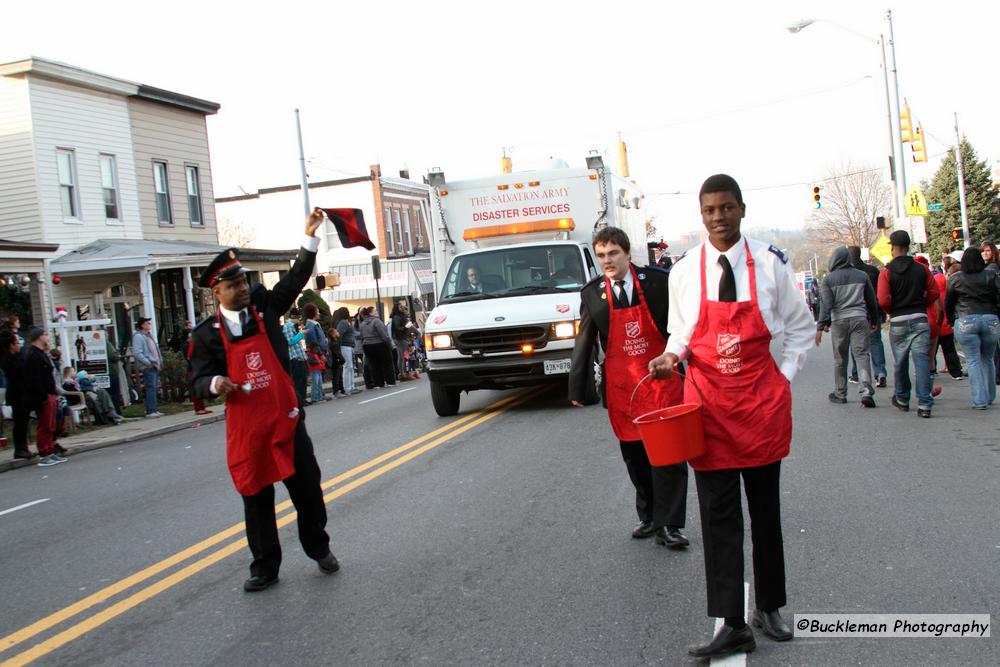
(849, 311)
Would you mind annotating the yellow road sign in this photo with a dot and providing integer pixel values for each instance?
(882, 249)
(916, 204)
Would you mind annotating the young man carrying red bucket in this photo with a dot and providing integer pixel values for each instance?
(728, 297)
(626, 309)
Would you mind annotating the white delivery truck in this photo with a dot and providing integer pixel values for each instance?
(510, 254)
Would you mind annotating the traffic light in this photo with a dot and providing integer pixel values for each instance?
(957, 234)
(817, 203)
(905, 127)
(919, 152)
(880, 222)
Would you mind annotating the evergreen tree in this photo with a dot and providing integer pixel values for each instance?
(982, 201)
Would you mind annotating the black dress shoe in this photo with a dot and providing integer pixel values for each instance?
(644, 530)
(672, 537)
(726, 641)
(26, 454)
(259, 582)
(328, 564)
(772, 624)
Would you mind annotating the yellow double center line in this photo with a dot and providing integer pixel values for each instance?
(359, 475)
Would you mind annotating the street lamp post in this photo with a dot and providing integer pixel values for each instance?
(895, 161)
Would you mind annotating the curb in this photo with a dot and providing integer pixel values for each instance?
(113, 441)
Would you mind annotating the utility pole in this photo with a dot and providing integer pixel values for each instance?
(961, 185)
(302, 165)
(900, 161)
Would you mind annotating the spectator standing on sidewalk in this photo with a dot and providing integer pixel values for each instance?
(849, 312)
(315, 336)
(399, 322)
(972, 306)
(296, 353)
(344, 324)
(905, 289)
(315, 364)
(875, 348)
(378, 349)
(12, 363)
(335, 362)
(14, 326)
(149, 361)
(40, 394)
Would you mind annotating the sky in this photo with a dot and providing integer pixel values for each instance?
(693, 88)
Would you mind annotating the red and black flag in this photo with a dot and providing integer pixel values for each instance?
(350, 224)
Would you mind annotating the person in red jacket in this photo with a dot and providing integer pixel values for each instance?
(905, 291)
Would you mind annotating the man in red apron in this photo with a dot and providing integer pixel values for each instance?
(627, 309)
(728, 297)
(241, 353)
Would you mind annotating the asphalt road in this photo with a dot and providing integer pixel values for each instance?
(503, 538)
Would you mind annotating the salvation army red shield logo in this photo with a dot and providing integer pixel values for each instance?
(254, 362)
(632, 329)
(562, 308)
(440, 319)
(728, 345)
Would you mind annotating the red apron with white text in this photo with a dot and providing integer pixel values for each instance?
(633, 340)
(260, 434)
(747, 407)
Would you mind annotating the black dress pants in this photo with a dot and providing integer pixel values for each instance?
(22, 416)
(307, 496)
(661, 491)
(380, 360)
(722, 530)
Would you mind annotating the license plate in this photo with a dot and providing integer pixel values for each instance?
(556, 366)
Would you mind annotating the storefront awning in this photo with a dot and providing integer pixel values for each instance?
(400, 277)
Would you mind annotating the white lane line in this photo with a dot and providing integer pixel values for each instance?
(21, 507)
(735, 659)
(401, 391)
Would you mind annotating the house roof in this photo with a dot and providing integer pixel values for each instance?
(64, 72)
(26, 249)
(115, 255)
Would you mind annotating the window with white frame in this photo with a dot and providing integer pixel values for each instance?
(109, 187)
(161, 193)
(390, 243)
(407, 231)
(194, 195)
(399, 230)
(419, 227)
(68, 194)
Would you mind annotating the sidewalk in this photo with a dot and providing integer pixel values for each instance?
(128, 431)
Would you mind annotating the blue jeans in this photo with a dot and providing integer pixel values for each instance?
(317, 386)
(347, 351)
(977, 334)
(150, 379)
(912, 338)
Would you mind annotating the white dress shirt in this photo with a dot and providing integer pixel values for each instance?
(232, 317)
(628, 286)
(780, 302)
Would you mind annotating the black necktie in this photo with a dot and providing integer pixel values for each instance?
(622, 297)
(243, 322)
(727, 283)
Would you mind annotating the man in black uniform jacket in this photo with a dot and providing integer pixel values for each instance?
(660, 492)
(241, 308)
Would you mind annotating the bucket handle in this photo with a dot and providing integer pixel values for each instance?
(649, 375)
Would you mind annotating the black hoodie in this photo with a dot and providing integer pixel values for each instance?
(906, 287)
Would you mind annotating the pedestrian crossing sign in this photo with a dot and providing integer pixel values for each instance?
(882, 249)
(916, 203)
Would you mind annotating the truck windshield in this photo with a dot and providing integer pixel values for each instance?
(518, 270)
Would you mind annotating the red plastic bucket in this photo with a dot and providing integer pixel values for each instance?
(672, 434)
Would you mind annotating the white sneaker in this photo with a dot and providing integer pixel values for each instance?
(154, 414)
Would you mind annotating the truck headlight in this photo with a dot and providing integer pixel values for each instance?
(564, 330)
(439, 342)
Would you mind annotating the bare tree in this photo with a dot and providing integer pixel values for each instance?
(232, 233)
(852, 199)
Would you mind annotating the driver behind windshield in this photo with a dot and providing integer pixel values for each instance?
(473, 280)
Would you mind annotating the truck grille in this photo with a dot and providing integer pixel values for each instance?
(500, 340)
